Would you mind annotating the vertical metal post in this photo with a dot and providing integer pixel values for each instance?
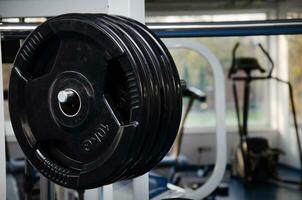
(179, 137)
(244, 129)
(291, 97)
(93, 194)
(2, 135)
(28, 180)
(107, 192)
(237, 108)
(81, 194)
(45, 188)
(141, 187)
(135, 189)
(130, 8)
(246, 108)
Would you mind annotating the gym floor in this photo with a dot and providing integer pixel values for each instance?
(264, 191)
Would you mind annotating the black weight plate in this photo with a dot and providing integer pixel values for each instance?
(125, 155)
(142, 125)
(165, 96)
(140, 132)
(100, 136)
(176, 93)
(132, 148)
(155, 75)
(147, 92)
(162, 140)
(150, 131)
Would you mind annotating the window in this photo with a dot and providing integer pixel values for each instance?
(295, 70)
(207, 18)
(197, 72)
(295, 65)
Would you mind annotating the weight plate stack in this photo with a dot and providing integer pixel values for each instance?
(144, 146)
(94, 99)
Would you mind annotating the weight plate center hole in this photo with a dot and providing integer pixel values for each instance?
(69, 102)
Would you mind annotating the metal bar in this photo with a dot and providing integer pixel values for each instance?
(253, 78)
(81, 194)
(45, 188)
(179, 137)
(2, 136)
(198, 29)
(291, 97)
(17, 27)
(16, 31)
(28, 180)
(235, 94)
(140, 187)
(246, 103)
(221, 29)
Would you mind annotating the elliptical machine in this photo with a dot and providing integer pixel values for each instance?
(255, 159)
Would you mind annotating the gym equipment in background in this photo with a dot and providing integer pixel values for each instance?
(94, 99)
(255, 160)
(180, 168)
(174, 160)
(193, 94)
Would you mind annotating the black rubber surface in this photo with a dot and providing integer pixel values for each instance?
(124, 105)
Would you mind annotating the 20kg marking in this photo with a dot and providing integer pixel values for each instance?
(97, 138)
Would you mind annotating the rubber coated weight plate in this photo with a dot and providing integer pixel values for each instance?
(153, 66)
(78, 141)
(138, 134)
(175, 93)
(146, 87)
(87, 93)
(153, 93)
(165, 104)
(148, 92)
(131, 149)
(129, 141)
